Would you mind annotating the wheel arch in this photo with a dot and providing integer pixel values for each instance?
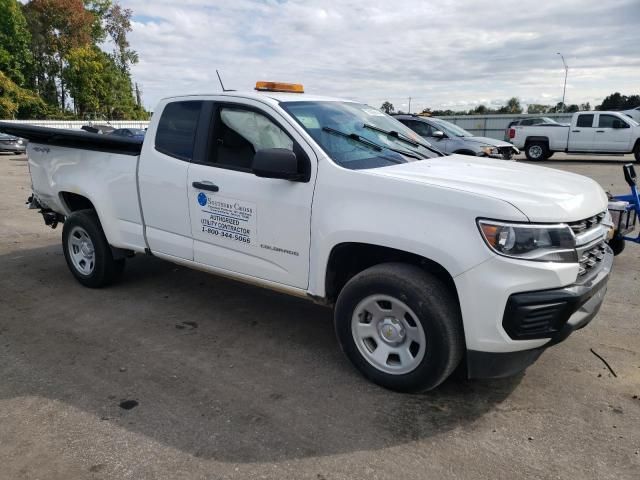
(350, 258)
(72, 202)
(530, 140)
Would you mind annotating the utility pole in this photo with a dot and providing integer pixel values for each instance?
(564, 90)
(409, 105)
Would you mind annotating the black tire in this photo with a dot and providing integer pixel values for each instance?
(536, 151)
(636, 152)
(549, 154)
(435, 307)
(105, 269)
(617, 244)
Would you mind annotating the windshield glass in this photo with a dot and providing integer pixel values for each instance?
(357, 136)
(548, 120)
(451, 129)
(632, 122)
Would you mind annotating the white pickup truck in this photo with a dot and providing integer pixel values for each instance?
(428, 260)
(589, 132)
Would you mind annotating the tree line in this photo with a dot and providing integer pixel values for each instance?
(615, 101)
(52, 66)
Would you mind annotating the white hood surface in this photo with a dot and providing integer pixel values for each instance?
(542, 194)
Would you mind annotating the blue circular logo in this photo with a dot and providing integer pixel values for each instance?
(202, 199)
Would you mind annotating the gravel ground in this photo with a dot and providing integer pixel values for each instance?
(223, 380)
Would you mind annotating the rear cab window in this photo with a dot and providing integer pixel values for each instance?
(177, 129)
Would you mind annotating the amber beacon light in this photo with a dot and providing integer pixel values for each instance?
(279, 87)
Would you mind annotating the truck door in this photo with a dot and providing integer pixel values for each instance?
(162, 178)
(613, 134)
(581, 134)
(243, 223)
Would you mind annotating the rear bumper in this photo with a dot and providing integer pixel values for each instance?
(550, 315)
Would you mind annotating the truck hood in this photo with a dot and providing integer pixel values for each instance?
(542, 194)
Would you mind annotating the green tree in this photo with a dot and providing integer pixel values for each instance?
(15, 39)
(118, 25)
(17, 102)
(387, 107)
(585, 107)
(512, 106)
(573, 108)
(99, 87)
(616, 101)
(536, 108)
(57, 27)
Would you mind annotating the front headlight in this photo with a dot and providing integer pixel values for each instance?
(527, 241)
(489, 150)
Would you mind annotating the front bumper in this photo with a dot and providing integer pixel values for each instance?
(543, 315)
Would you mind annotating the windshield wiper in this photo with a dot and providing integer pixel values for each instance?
(354, 136)
(393, 133)
(402, 137)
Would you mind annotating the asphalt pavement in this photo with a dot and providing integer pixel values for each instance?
(174, 373)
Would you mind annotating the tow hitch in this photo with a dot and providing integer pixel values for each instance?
(50, 217)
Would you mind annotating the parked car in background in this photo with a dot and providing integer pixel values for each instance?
(11, 144)
(633, 113)
(102, 129)
(508, 133)
(589, 132)
(450, 138)
(137, 133)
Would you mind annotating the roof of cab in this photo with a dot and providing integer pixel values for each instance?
(270, 97)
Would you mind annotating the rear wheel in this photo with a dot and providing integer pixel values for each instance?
(636, 152)
(87, 252)
(400, 326)
(536, 151)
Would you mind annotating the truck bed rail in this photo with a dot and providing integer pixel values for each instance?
(74, 138)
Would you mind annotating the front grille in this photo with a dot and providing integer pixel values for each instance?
(587, 223)
(506, 152)
(591, 257)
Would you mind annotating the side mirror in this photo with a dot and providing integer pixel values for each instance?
(438, 134)
(276, 163)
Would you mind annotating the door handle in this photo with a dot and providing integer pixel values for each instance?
(208, 186)
(575, 131)
(599, 131)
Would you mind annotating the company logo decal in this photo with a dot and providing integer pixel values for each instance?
(202, 199)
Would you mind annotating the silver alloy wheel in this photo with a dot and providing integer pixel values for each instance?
(81, 251)
(535, 151)
(388, 334)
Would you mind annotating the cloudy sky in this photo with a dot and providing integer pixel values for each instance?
(446, 53)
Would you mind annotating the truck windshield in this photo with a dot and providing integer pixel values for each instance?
(357, 136)
(451, 129)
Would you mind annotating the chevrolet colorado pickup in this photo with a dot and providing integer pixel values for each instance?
(429, 261)
(589, 132)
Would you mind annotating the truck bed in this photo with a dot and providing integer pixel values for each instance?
(74, 138)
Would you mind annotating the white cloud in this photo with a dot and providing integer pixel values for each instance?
(446, 53)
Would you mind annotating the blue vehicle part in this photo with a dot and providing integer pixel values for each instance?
(633, 199)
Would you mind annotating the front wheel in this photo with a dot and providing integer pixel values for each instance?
(536, 151)
(87, 252)
(617, 244)
(400, 326)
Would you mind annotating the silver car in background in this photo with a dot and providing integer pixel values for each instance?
(11, 144)
(450, 138)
